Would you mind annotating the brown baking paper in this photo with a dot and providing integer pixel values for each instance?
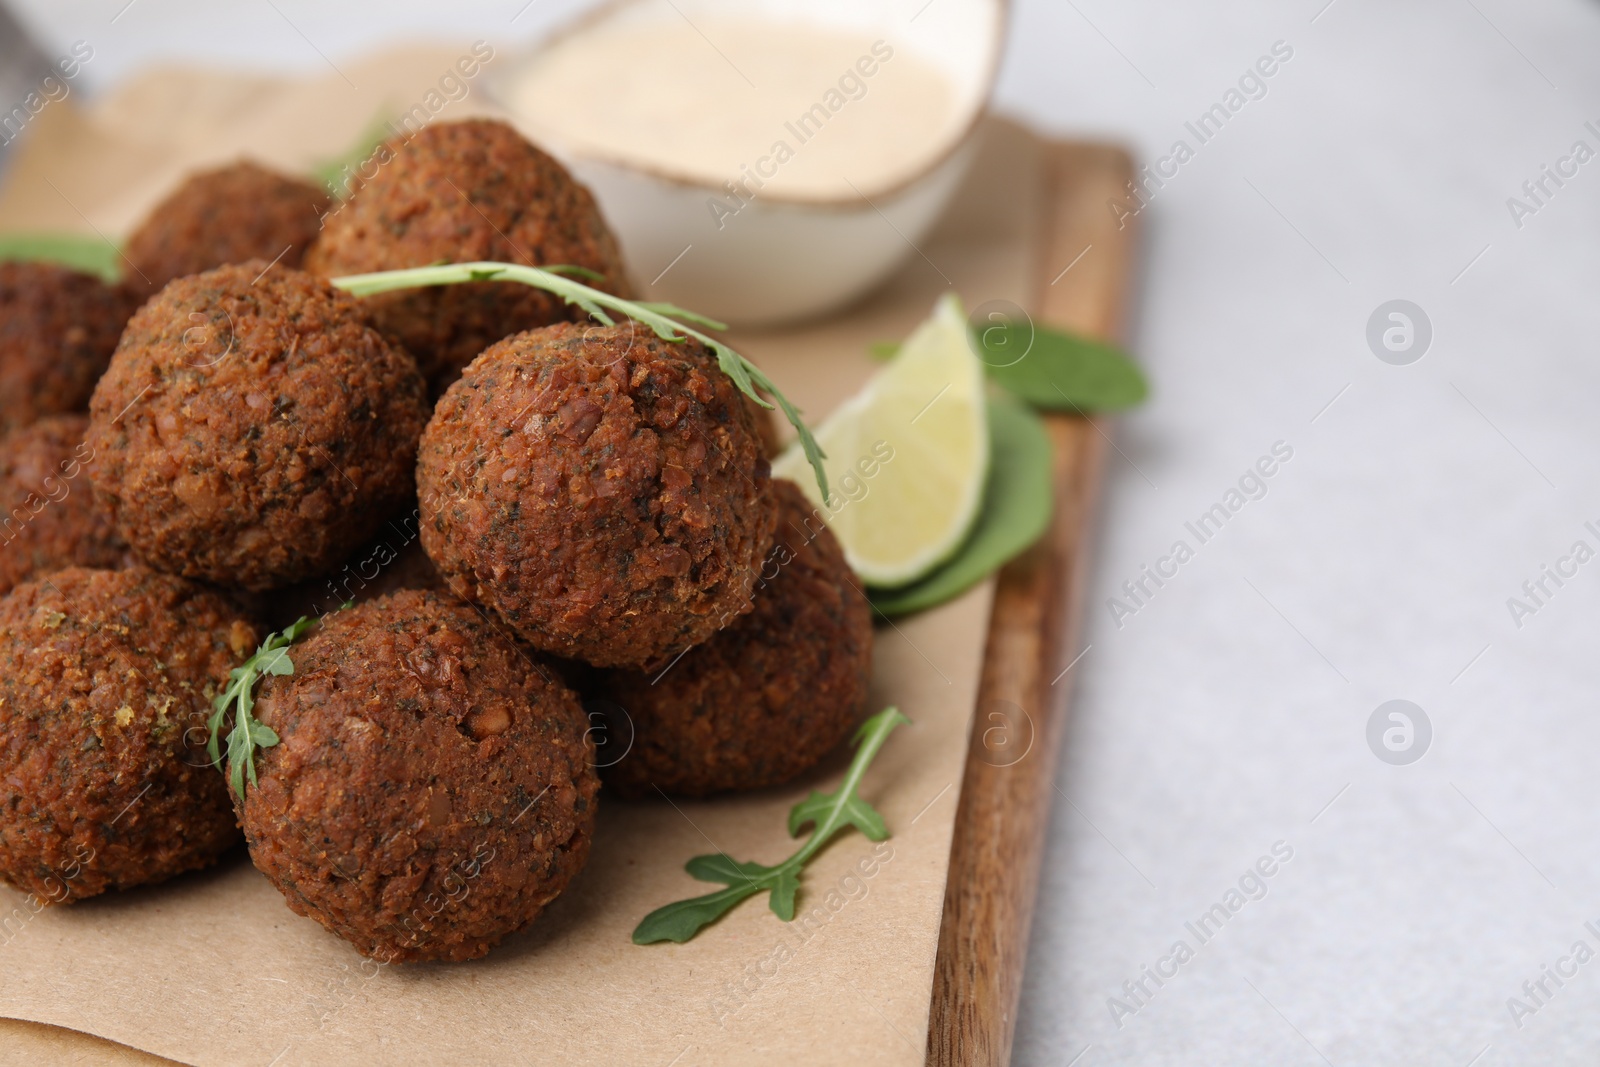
(213, 968)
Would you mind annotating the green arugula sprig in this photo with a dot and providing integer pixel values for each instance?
(828, 813)
(335, 172)
(91, 255)
(667, 320)
(247, 734)
(1051, 370)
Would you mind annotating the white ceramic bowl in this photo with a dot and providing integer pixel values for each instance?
(787, 257)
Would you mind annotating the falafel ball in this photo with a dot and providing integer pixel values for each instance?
(602, 489)
(766, 698)
(227, 215)
(253, 430)
(58, 328)
(104, 778)
(51, 518)
(433, 789)
(459, 192)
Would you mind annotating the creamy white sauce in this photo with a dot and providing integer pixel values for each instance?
(788, 109)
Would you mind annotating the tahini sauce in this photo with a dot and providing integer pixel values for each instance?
(790, 109)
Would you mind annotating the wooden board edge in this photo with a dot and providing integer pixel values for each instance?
(1021, 713)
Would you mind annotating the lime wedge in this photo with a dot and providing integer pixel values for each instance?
(907, 456)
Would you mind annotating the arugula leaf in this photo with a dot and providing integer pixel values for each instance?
(719, 867)
(786, 883)
(1057, 371)
(1016, 509)
(246, 735)
(827, 813)
(334, 172)
(667, 320)
(580, 272)
(683, 313)
(91, 255)
(1061, 371)
(681, 921)
(856, 812)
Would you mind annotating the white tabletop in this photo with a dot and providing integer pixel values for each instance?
(1228, 715)
(1230, 712)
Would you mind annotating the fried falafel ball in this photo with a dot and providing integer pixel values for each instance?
(228, 215)
(50, 517)
(104, 778)
(58, 328)
(433, 789)
(767, 697)
(603, 490)
(460, 192)
(253, 430)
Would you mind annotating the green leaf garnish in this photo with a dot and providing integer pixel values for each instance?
(335, 172)
(246, 734)
(91, 255)
(1016, 509)
(668, 322)
(1057, 371)
(826, 813)
(1060, 371)
(683, 313)
(577, 272)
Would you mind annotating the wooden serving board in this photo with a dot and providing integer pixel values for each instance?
(1083, 272)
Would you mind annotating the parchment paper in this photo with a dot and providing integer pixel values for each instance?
(214, 969)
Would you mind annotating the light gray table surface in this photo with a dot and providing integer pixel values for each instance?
(1228, 714)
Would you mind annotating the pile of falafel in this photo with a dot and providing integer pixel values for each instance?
(544, 552)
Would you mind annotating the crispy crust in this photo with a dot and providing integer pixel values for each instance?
(603, 490)
(766, 423)
(228, 215)
(768, 696)
(253, 430)
(51, 518)
(104, 778)
(57, 332)
(458, 192)
(433, 790)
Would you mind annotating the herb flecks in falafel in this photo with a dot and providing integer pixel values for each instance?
(58, 328)
(49, 518)
(433, 788)
(462, 192)
(602, 490)
(669, 322)
(231, 214)
(771, 693)
(104, 780)
(253, 429)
